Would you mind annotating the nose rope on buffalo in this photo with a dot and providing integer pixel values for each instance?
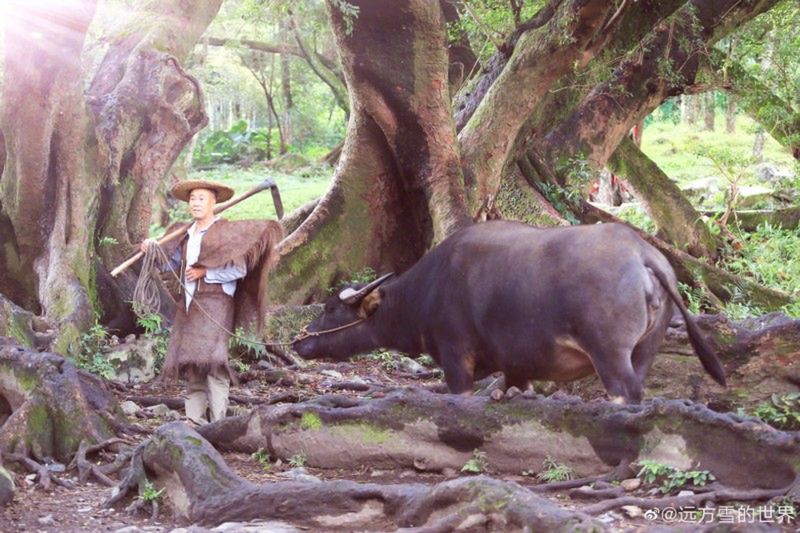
(146, 300)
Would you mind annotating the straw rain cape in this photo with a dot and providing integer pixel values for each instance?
(197, 345)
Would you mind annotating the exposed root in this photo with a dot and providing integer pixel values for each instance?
(43, 476)
(720, 495)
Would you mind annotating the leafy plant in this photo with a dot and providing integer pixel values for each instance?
(554, 471)
(385, 358)
(149, 494)
(565, 201)
(781, 412)
(298, 460)
(107, 241)
(246, 346)
(155, 330)
(670, 478)
(263, 458)
(477, 464)
(91, 357)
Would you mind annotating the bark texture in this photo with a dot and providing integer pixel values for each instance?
(411, 428)
(47, 407)
(398, 186)
(677, 221)
(202, 489)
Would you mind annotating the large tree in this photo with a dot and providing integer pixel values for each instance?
(552, 105)
(83, 166)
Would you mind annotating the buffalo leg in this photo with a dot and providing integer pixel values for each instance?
(618, 376)
(458, 372)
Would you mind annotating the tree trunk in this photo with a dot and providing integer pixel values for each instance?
(50, 187)
(730, 114)
(288, 106)
(675, 218)
(47, 407)
(636, 88)
(710, 111)
(758, 145)
(575, 32)
(398, 185)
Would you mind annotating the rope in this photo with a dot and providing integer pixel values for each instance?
(146, 299)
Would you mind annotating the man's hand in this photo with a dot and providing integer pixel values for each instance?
(147, 243)
(195, 273)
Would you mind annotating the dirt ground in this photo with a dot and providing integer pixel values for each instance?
(80, 508)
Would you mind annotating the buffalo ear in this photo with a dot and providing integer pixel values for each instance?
(370, 303)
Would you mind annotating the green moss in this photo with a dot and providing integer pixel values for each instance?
(364, 432)
(19, 330)
(310, 421)
(193, 440)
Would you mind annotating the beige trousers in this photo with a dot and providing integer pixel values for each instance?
(209, 393)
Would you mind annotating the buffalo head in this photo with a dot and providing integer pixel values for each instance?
(342, 330)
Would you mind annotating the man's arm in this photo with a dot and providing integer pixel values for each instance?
(225, 274)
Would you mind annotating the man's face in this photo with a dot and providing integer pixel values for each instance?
(201, 203)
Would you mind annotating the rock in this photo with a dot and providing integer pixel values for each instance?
(130, 338)
(449, 473)
(406, 364)
(300, 474)
(631, 484)
(289, 163)
(770, 173)
(130, 529)
(159, 410)
(685, 493)
(754, 195)
(256, 526)
(632, 511)
(129, 408)
(46, 520)
(512, 392)
(703, 188)
(6, 487)
(497, 395)
(133, 361)
(332, 374)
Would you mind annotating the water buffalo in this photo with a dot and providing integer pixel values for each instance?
(546, 304)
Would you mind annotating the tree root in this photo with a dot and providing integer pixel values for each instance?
(416, 429)
(43, 476)
(720, 495)
(203, 490)
(86, 468)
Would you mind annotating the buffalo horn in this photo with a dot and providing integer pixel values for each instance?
(351, 296)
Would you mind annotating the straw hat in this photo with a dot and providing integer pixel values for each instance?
(182, 190)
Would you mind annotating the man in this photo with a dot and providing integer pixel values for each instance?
(214, 258)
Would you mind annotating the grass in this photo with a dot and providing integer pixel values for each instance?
(677, 148)
(296, 190)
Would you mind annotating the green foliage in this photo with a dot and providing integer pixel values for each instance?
(155, 330)
(554, 471)
(768, 256)
(298, 460)
(246, 346)
(91, 358)
(670, 478)
(781, 412)
(107, 241)
(236, 144)
(426, 360)
(565, 201)
(693, 297)
(149, 494)
(385, 358)
(477, 464)
(263, 458)
(365, 275)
